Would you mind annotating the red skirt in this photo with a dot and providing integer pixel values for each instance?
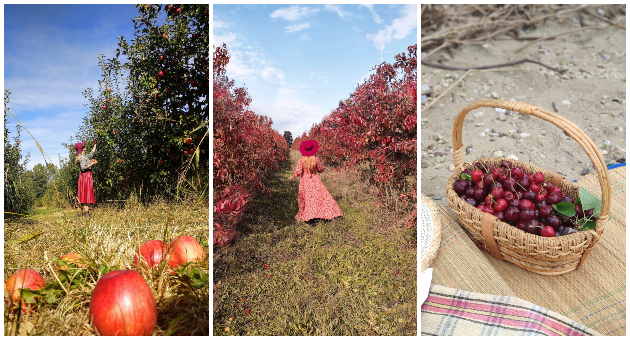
(86, 188)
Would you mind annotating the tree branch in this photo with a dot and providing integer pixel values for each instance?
(526, 60)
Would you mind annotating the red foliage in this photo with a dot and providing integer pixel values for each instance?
(246, 148)
(377, 123)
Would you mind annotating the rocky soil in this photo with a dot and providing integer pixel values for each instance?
(591, 94)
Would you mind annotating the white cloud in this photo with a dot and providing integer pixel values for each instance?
(297, 27)
(217, 24)
(230, 40)
(335, 8)
(320, 75)
(239, 68)
(289, 113)
(305, 37)
(399, 28)
(293, 13)
(272, 74)
(377, 19)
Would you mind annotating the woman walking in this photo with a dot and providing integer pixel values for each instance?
(86, 183)
(314, 201)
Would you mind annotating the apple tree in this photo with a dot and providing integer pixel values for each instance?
(149, 114)
(18, 196)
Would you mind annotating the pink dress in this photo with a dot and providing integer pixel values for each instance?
(314, 201)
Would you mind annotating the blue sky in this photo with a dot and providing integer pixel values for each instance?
(50, 57)
(298, 61)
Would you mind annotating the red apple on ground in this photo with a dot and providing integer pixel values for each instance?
(185, 249)
(23, 278)
(152, 252)
(74, 258)
(122, 303)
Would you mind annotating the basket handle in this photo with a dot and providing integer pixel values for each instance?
(567, 126)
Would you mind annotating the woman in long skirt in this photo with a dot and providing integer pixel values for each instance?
(314, 200)
(86, 182)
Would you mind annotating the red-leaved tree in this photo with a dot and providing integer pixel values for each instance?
(376, 125)
(246, 149)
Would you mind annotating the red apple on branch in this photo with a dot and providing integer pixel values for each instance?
(122, 303)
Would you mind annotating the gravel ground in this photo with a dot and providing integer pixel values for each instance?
(591, 94)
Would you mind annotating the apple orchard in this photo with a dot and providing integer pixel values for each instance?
(374, 129)
(149, 115)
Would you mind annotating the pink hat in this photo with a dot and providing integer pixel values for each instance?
(79, 147)
(308, 147)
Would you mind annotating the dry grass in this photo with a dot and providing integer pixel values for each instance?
(449, 26)
(342, 277)
(108, 239)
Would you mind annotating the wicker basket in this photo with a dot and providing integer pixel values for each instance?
(541, 255)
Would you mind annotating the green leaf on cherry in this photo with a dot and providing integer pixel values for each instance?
(565, 208)
(466, 176)
(590, 201)
(588, 226)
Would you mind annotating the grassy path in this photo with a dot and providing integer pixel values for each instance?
(346, 277)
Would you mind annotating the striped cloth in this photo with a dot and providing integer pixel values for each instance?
(449, 311)
(593, 295)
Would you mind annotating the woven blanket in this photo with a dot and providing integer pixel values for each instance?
(450, 311)
(593, 295)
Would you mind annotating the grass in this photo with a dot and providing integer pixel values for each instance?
(108, 239)
(353, 276)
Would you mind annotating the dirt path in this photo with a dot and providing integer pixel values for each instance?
(343, 277)
(591, 94)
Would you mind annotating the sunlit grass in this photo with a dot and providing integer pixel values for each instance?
(350, 276)
(108, 240)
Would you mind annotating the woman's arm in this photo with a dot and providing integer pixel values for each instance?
(320, 168)
(298, 170)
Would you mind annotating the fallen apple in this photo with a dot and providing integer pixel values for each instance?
(23, 278)
(73, 258)
(122, 303)
(185, 249)
(152, 252)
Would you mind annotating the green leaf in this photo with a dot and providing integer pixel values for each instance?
(565, 208)
(29, 295)
(466, 176)
(588, 225)
(26, 238)
(589, 201)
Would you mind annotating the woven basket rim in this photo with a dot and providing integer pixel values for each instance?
(546, 241)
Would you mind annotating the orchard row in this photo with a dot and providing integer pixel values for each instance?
(245, 150)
